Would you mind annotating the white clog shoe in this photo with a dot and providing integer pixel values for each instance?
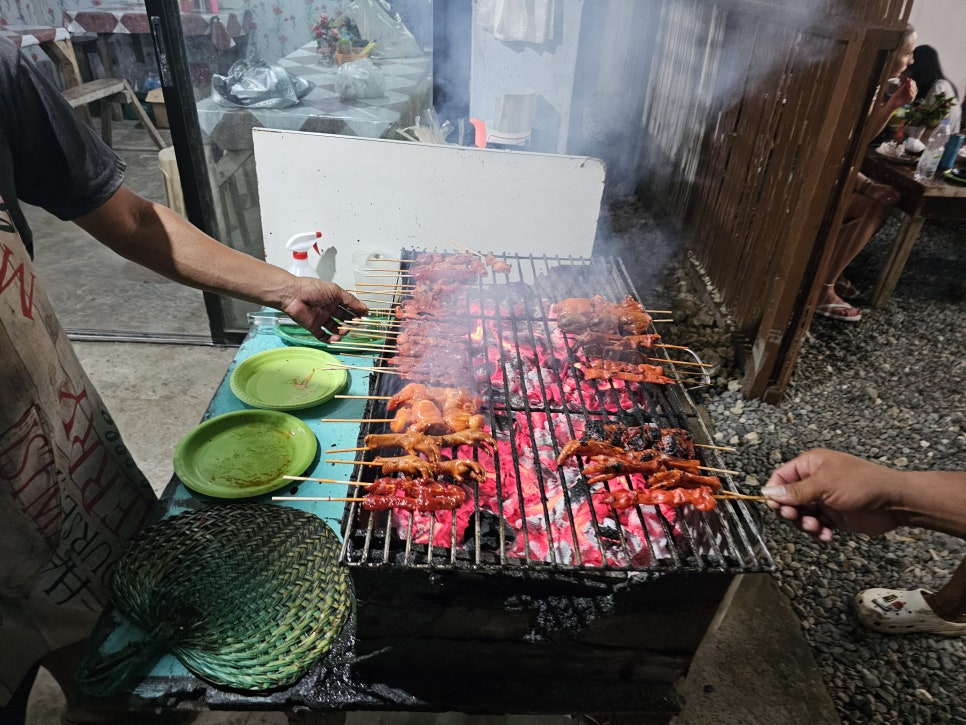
(901, 611)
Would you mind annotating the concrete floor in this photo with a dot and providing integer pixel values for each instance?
(754, 665)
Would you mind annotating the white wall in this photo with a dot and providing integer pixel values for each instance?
(546, 69)
(942, 24)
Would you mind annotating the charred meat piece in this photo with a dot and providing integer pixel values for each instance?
(619, 370)
(604, 467)
(682, 478)
(701, 498)
(421, 444)
(676, 442)
(587, 448)
(408, 466)
(602, 437)
(467, 437)
(458, 469)
(422, 417)
(410, 441)
(413, 495)
(497, 265)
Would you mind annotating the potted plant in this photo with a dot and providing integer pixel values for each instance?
(921, 114)
(336, 34)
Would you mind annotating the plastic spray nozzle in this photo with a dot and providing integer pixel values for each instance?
(303, 242)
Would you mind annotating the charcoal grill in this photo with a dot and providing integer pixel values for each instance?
(523, 393)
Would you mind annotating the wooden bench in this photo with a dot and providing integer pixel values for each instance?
(111, 90)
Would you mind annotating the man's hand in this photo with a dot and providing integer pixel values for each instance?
(820, 491)
(320, 307)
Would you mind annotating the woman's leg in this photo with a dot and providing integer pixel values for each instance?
(870, 206)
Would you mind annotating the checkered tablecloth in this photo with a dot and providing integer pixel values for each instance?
(321, 110)
(131, 17)
(28, 35)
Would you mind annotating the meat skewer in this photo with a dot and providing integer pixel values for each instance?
(459, 469)
(417, 495)
(429, 446)
(700, 498)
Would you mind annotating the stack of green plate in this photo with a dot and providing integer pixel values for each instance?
(246, 596)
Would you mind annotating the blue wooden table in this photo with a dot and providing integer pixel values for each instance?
(177, 498)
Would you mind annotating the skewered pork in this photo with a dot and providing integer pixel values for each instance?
(412, 494)
(701, 498)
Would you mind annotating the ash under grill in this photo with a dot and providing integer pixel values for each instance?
(529, 515)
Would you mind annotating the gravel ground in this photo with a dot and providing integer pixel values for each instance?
(892, 389)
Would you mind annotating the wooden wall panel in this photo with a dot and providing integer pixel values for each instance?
(752, 125)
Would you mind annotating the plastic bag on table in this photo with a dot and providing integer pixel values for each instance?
(258, 84)
(359, 79)
(393, 39)
(427, 129)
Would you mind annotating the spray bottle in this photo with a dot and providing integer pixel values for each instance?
(300, 244)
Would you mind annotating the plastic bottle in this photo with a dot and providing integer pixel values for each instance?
(929, 161)
(300, 244)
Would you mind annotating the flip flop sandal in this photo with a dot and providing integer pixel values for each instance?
(839, 311)
(846, 290)
(900, 611)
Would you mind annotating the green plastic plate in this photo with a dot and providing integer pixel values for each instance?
(352, 342)
(288, 378)
(245, 453)
(956, 175)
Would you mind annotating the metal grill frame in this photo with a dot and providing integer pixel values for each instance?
(727, 539)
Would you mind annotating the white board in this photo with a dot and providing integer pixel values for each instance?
(392, 195)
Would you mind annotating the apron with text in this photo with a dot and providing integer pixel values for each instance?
(70, 493)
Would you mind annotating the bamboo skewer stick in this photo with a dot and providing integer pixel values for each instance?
(317, 498)
(356, 420)
(468, 249)
(372, 292)
(397, 285)
(368, 369)
(319, 480)
(325, 480)
(715, 448)
(363, 397)
(732, 496)
(346, 450)
(719, 470)
(377, 323)
(680, 362)
(374, 332)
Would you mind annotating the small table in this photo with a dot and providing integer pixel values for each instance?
(55, 42)
(321, 110)
(921, 200)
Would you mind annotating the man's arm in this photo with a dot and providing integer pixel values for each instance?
(821, 491)
(156, 237)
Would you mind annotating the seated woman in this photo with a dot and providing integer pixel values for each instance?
(871, 202)
(928, 75)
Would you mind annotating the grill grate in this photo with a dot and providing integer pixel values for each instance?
(532, 404)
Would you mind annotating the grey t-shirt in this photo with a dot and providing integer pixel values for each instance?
(48, 156)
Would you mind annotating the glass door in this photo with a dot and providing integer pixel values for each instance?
(229, 66)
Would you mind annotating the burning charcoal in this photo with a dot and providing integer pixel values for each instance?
(490, 525)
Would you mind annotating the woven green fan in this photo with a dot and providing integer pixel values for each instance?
(246, 596)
